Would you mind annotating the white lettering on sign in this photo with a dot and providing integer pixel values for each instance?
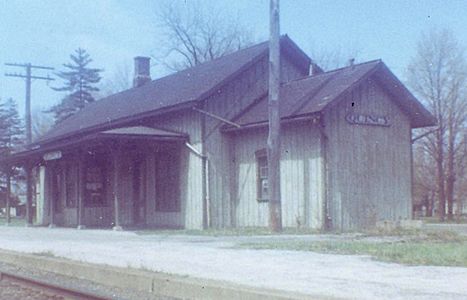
(53, 155)
(360, 119)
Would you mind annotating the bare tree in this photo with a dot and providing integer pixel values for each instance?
(120, 80)
(335, 57)
(437, 74)
(195, 34)
(461, 182)
(424, 180)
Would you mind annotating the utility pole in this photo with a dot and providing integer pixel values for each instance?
(273, 151)
(28, 168)
(28, 77)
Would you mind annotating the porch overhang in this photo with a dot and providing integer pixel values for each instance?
(140, 133)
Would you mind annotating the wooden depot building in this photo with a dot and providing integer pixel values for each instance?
(188, 150)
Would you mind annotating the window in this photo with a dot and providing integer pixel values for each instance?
(262, 175)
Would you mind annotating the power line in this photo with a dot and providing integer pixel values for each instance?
(28, 76)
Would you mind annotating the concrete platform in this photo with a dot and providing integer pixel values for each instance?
(159, 284)
(203, 259)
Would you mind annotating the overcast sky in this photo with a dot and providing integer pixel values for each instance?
(113, 32)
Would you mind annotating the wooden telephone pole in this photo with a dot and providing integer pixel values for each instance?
(28, 77)
(273, 150)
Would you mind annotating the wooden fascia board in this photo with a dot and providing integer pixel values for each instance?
(141, 137)
(419, 108)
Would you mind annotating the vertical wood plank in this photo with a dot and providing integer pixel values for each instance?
(116, 187)
(82, 190)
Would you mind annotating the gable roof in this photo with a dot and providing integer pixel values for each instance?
(314, 93)
(183, 87)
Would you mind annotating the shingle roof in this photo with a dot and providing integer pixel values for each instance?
(312, 94)
(181, 87)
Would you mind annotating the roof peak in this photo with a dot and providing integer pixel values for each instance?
(377, 61)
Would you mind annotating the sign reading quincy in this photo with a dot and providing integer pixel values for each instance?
(360, 119)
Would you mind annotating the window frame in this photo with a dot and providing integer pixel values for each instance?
(97, 161)
(261, 162)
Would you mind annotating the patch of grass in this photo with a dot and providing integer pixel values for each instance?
(47, 253)
(416, 235)
(435, 249)
(244, 231)
(435, 220)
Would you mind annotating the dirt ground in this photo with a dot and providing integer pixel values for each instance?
(355, 277)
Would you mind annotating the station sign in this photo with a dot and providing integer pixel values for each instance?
(54, 155)
(361, 119)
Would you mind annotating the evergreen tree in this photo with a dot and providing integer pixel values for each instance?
(79, 82)
(11, 132)
(11, 140)
(11, 128)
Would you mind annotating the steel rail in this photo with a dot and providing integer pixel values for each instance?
(67, 293)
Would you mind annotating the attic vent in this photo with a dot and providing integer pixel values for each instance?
(142, 75)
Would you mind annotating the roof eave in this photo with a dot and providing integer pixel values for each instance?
(420, 116)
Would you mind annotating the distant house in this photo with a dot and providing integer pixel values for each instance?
(2, 197)
(15, 205)
(188, 150)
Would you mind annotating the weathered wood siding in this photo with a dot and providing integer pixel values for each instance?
(229, 101)
(191, 165)
(173, 219)
(41, 209)
(46, 196)
(302, 187)
(369, 166)
(67, 215)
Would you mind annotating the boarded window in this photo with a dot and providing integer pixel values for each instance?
(95, 182)
(71, 189)
(262, 175)
(168, 181)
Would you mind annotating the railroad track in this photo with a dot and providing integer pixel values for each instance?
(49, 288)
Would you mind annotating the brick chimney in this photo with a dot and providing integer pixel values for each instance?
(142, 75)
